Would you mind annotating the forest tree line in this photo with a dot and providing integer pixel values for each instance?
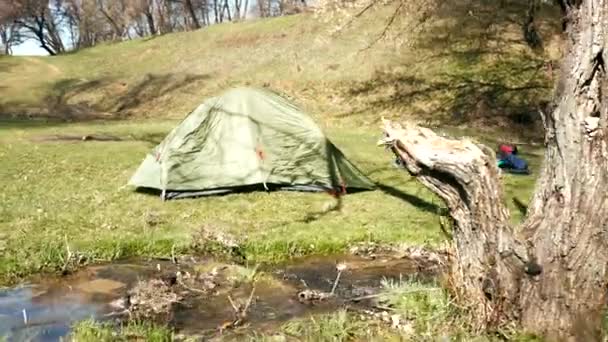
(62, 25)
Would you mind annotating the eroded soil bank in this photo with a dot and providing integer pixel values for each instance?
(200, 296)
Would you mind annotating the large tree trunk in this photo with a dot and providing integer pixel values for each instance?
(549, 274)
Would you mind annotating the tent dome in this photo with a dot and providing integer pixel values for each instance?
(246, 138)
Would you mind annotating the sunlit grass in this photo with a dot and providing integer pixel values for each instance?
(90, 330)
(71, 196)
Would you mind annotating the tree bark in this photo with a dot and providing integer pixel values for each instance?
(190, 9)
(549, 275)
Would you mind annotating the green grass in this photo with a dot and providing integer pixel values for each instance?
(432, 314)
(424, 310)
(338, 326)
(476, 70)
(60, 196)
(141, 331)
(424, 304)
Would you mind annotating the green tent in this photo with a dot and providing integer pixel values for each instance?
(246, 139)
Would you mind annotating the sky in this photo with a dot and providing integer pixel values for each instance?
(29, 48)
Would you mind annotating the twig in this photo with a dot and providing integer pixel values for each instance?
(189, 287)
(116, 313)
(388, 24)
(244, 312)
(359, 14)
(333, 289)
(173, 258)
(68, 253)
(234, 307)
(385, 308)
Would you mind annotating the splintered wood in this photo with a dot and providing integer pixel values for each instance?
(427, 148)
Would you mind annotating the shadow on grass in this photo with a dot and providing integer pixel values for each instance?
(152, 139)
(6, 63)
(418, 202)
(479, 68)
(104, 98)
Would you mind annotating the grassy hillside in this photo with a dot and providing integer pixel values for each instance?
(468, 65)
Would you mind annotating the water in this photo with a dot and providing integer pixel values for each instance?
(47, 310)
(37, 313)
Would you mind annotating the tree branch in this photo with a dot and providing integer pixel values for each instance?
(387, 26)
(465, 176)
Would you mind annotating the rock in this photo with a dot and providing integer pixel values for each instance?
(395, 321)
(312, 296)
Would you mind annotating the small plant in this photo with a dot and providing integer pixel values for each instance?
(428, 305)
(245, 275)
(91, 330)
(338, 326)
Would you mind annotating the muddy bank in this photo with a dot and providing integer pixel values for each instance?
(201, 296)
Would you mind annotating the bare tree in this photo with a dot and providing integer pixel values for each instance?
(41, 20)
(162, 15)
(88, 22)
(205, 9)
(549, 274)
(10, 34)
(264, 8)
(87, 26)
(115, 13)
(147, 7)
(226, 9)
(189, 8)
(216, 11)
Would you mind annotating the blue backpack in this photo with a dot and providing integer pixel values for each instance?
(513, 164)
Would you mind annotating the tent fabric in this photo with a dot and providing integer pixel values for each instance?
(246, 137)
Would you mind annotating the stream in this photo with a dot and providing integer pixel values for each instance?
(198, 296)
